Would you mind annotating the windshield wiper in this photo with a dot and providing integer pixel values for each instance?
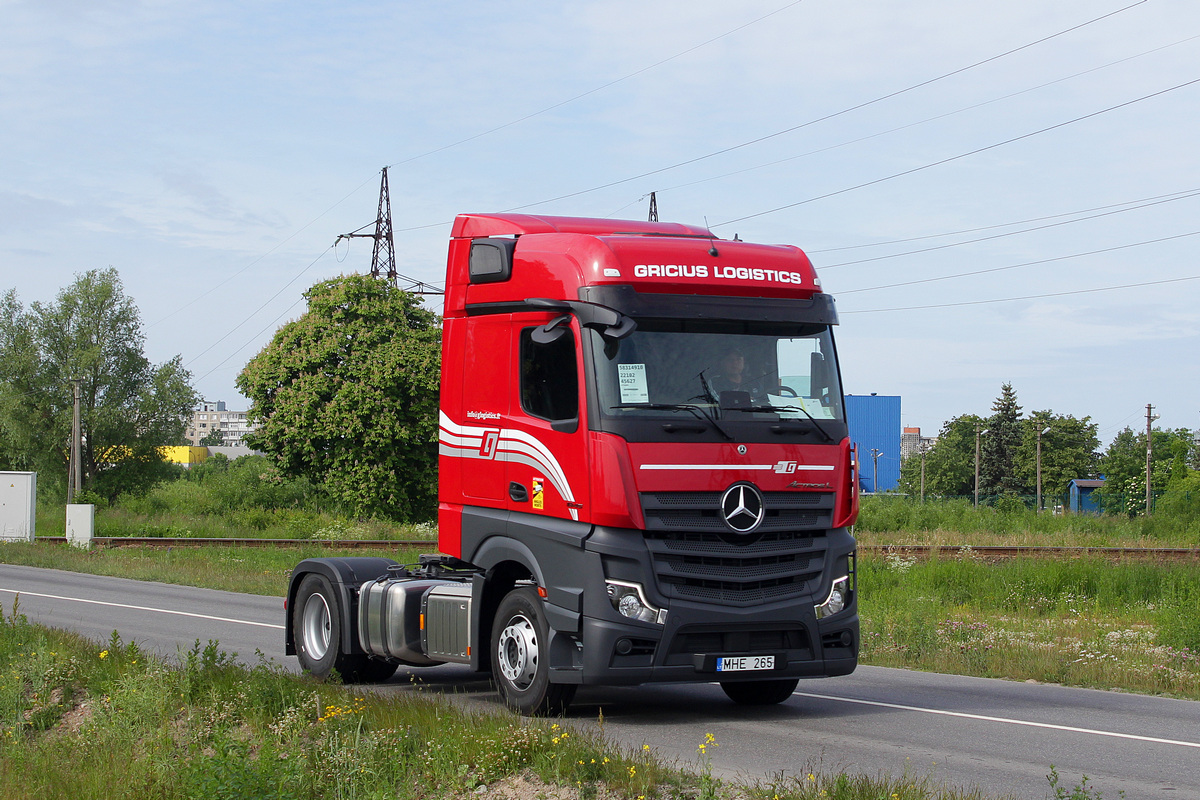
(768, 407)
(695, 410)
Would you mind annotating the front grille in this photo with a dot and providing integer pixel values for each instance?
(700, 511)
(695, 557)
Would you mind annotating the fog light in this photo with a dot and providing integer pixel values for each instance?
(630, 601)
(838, 596)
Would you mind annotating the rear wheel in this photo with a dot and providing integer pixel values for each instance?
(317, 628)
(760, 693)
(520, 661)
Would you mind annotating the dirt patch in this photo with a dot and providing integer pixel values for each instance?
(76, 717)
(528, 786)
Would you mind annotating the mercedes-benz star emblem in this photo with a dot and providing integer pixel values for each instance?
(742, 507)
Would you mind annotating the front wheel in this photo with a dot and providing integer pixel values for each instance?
(520, 657)
(317, 627)
(760, 693)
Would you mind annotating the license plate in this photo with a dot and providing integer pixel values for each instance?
(745, 663)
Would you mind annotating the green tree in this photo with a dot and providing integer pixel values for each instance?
(347, 395)
(1182, 499)
(1069, 450)
(949, 464)
(998, 447)
(1124, 466)
(92, 333)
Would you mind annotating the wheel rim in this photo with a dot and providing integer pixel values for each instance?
(517, 652)
(316, 625)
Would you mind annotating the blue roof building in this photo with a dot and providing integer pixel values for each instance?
(874, 422)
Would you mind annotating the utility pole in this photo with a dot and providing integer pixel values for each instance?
(1041, 431)
(1150, 417)
(653, 208)
(75, 476)
(979, 431)
(922, 448)
(875, 454)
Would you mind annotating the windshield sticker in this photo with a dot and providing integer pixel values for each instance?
(633, 383)
(800, 407)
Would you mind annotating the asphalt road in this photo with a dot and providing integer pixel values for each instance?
(998, 735)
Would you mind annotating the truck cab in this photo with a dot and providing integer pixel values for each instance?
(644, 468)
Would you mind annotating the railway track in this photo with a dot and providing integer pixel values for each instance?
(1005, 552)
(920, 552)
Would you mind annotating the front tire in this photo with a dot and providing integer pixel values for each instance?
(760, 693)
(317, 628)
(520, 657)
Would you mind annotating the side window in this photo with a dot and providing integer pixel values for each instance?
(549, 380)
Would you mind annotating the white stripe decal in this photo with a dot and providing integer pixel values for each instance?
(466, 441)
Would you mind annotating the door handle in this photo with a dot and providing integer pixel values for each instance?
(518, 492)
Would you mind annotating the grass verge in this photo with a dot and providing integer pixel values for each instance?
(1084, 622)
(82, 720)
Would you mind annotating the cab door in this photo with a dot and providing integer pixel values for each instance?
(545, 446)
(486, 395)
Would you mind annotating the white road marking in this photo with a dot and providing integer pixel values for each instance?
(1006, 720)
(143, 608)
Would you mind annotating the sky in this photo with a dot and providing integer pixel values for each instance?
(993, 192)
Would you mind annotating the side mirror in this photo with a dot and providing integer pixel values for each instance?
(552, 331)
(611, 323)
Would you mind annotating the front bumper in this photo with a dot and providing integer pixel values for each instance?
(686, 648)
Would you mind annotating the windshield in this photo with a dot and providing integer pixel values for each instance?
(738, 371)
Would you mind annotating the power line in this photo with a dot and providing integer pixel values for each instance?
(600, 88)
(253, 338)
(297, 232)
(419, 285)
(1003, 235)
(925, 121)
(1017, 266)
(1146, 200)
(254, 313)
(960, 155)
(809, 123)
(694, 160)
(1023, 297)
(835, 114)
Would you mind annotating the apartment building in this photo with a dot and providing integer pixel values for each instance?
(213, 416)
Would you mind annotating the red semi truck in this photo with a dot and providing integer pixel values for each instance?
(644, 475)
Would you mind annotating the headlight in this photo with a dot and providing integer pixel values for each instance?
(630, 601)
(839, 595)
